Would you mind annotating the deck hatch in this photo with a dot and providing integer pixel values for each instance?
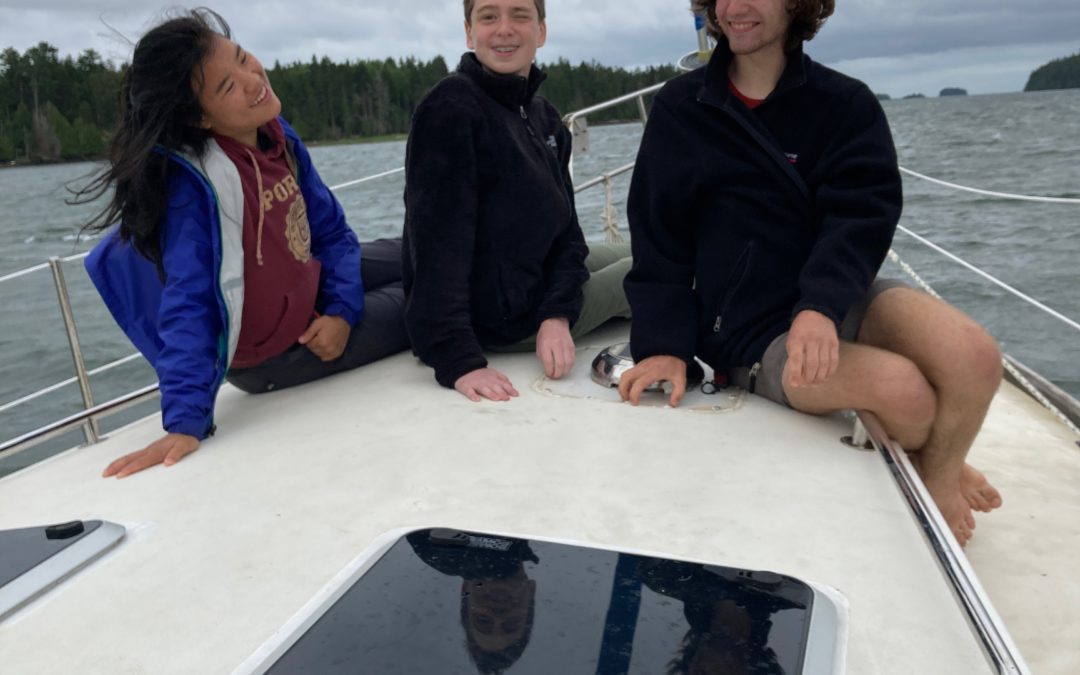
(448, 601)
(34, 559)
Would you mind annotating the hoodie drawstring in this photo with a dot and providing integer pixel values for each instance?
(262, 215)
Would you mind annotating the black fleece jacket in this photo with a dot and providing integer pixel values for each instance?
(741, 219)
(492, 245)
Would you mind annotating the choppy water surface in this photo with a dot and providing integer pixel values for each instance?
(1020, 143)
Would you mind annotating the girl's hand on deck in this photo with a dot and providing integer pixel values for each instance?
(167, 450)
(326, 337)
(555, 347)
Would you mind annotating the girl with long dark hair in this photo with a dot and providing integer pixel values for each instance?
(232, 259)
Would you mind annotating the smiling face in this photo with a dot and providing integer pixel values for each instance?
(234, 92)
(505, 35)
(754, 27)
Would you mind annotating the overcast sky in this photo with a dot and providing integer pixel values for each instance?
(896, 46)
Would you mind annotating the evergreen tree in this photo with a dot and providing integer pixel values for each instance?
(51, 130)
(1063, 73)
(89, 141)
(7, 148)
(21, 130)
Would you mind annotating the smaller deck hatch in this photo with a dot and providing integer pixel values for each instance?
(34, 559)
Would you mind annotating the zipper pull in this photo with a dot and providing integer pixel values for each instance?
(752, 377)
(525, 120)
(716, 326)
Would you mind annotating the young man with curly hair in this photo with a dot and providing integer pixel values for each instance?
(763, 203)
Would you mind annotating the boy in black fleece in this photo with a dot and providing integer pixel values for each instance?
(764, 200)
(493, 254)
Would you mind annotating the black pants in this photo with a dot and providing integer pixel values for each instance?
(380, 333)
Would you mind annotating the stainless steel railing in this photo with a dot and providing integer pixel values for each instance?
(577, 122)
(985, 622)
(88, 422)
(88, 416)
(90, 427)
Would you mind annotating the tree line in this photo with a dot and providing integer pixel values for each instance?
(56, 108)
(1063, 73)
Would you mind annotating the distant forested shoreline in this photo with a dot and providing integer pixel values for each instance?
(55, 108)
(1063, 73)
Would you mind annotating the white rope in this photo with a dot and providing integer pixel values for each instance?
(21, 273)
(1023, 296)
(913, 274)
(1038, 395)
(367, 178)
(610, 217)
(989, 193)
(1024, 382)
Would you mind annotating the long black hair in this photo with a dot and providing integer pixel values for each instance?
(159, 106)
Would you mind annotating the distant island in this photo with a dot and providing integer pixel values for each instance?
(1063, 73)
(947, 91)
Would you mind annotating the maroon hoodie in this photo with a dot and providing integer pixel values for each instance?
(281, 277)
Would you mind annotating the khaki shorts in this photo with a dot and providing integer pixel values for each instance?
(766, 377)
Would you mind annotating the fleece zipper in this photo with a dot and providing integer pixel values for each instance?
(546, 152)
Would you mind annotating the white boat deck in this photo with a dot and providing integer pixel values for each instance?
(1026, 553)
(226, 546)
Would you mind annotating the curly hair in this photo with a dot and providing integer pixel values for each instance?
(469, 4)
(807, 17)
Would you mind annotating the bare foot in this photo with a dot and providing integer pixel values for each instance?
(979, 493)
(955, 510)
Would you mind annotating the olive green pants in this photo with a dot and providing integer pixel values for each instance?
(604, 295)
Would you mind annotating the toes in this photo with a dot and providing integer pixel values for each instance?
(963, 521)
(984, 498)
(977, 501)
(977, 490)
(966, 526)
(962, 534)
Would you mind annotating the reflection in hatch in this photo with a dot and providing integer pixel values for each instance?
(448, 601)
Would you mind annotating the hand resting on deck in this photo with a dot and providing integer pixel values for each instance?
(660, 368)
(167, 450)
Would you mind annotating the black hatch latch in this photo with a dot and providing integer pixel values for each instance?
(65, 530)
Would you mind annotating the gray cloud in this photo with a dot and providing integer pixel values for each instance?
(980, 70)
(872, 28)
(989, 44)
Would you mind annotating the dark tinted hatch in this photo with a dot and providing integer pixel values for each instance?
(444, 601)
(35, 559)
(23, 549)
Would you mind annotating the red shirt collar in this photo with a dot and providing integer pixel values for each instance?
(747, 101)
